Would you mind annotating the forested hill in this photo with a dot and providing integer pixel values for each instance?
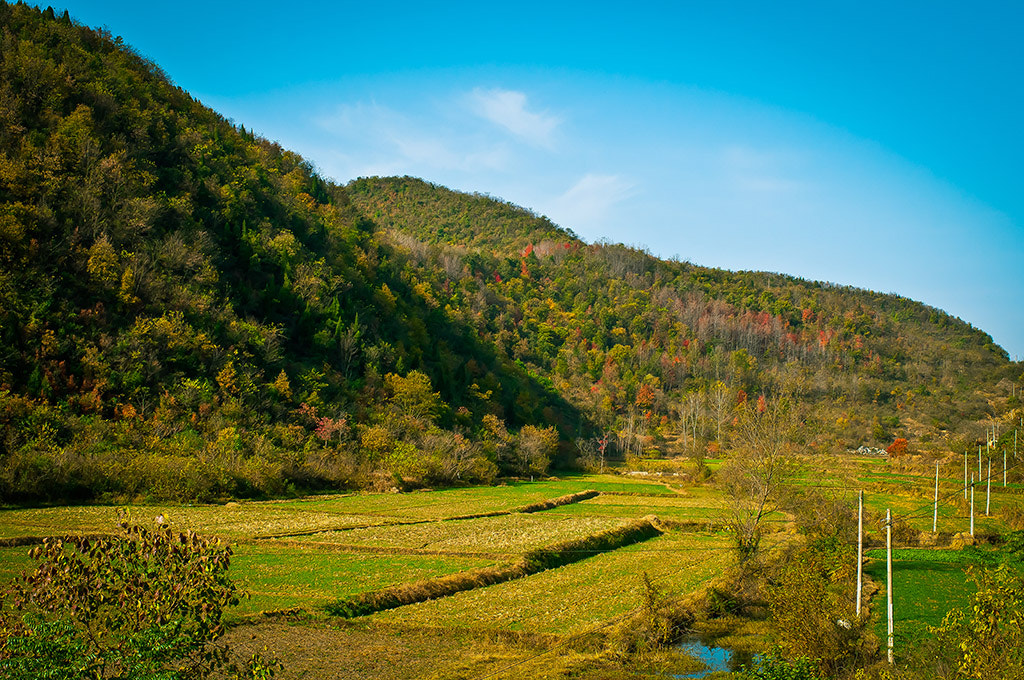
(437, 215)
(662, 351)
(188, 311)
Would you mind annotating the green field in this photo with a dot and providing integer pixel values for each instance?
(578, 596)
(284, 576)
(302, 554)
(926, 585)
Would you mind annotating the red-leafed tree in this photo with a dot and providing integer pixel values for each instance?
(898, 447)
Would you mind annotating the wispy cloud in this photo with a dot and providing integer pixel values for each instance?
(589, 202)
(759, 171)
(390, 140)
(508, 109)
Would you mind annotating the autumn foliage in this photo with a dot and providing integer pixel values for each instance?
(898, 447)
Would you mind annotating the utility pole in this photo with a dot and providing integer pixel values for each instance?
(965, 474)
(888, 576)
(979, 462)
(860, 548)
(988, 489)
(972, 505)
(935, 516)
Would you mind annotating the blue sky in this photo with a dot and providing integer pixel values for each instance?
(870, 144)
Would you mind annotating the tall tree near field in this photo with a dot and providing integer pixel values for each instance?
(756, 473)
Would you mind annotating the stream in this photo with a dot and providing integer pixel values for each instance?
(716, 659)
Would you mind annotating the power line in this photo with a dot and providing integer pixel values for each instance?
(954, 493)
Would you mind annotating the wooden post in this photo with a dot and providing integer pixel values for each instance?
(935, 515)
(988, 488)
(860, 548)
(972, 505)
(1004, 467)
(888, 576)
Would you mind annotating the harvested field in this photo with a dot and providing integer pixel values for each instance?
(705, 504)
(237, 521)
(508, 534)
(513, 570)
(442, 504)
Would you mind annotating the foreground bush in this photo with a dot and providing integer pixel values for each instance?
(773, 667)
(144, 604)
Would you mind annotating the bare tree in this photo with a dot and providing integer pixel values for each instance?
(631, 436)
(758, 469)
(720, 403)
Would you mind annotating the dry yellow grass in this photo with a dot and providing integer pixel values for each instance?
(233, 521)
(507, 534)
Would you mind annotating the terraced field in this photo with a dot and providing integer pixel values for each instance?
(301, 557)
(288, 576)
(503, 536)
(579, 596)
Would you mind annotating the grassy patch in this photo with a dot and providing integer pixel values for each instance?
(577, 596)
(232, 521)
(13, 561)
(535, 561)
(696, 503)
(926, 585)
(283, 576)
(441, 504)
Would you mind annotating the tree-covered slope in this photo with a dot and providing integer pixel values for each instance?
(663, 351)
(436, 215)
(187, 310)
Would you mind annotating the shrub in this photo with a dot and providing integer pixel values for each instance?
(143, 604)
(812, 610)
(774, 667)
(659, 621)
(987, 638)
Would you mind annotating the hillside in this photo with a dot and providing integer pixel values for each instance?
(633, 339)
(188, 311)
(436, 215)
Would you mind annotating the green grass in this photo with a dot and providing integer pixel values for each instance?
(283, 576)
(13, 561)
(926, 585)
(578, 596)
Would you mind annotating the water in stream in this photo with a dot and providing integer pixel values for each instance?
(716, 659)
